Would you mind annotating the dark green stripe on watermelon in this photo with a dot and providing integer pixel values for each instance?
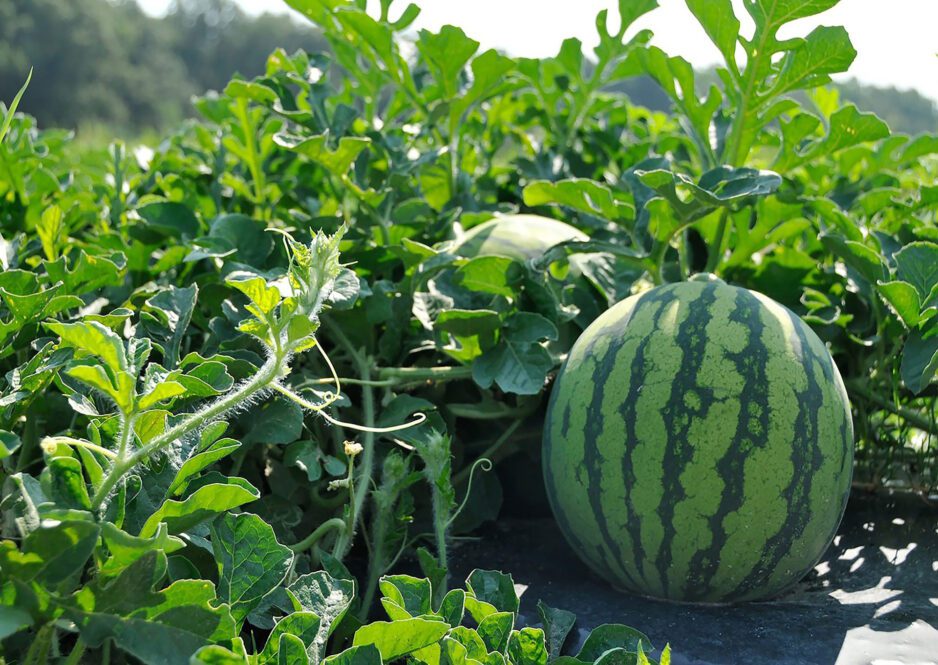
(691, 338)
(594, 557)
(593, 458)
(754, 411)
(593, 462)
(626, 411)
(806, 462)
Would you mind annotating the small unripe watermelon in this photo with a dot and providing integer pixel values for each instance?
(519, 237)
(699, 445)
(525, 237)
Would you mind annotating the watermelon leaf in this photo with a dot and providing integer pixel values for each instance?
(920, 359)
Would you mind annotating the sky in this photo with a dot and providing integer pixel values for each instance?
(897, 46)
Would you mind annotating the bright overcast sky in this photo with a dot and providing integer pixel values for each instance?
(897, 45)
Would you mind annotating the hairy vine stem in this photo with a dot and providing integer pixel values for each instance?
(261, 381)
(389, 377)
(366, 467)
(442, 518)
(417, 374)
(716, 248)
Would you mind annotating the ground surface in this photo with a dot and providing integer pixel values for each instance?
(872, 600)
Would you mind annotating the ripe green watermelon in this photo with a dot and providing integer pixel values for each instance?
(519, 237)
(699, 445)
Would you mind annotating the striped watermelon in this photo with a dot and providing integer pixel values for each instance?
(699, 445)
(519, 237)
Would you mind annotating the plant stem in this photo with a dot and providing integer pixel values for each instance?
(682, 250)
(260, 381)
(334, 524)
(658, 251)
(30, 441)
(377, 563)
(715, 252)
(496, 411)
(441, 519)
(254, 165)
(911, 417)
(125, 435)
(493, 410)
(394, 376)
(387, 383)
(42, 644)
(453, 152)
(734, 151)
(366, 467)
(416, 374)
(594, 83)
(74, 658)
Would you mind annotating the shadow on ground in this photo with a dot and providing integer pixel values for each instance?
(872, 599)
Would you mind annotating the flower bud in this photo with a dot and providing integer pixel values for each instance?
(353, 449)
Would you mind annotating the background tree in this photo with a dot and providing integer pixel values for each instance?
(92, 60)
(903, 110)
(100, 61)
(215, 39)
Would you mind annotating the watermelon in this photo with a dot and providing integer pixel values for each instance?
(519, 237)
(698, 445)
(526, 237)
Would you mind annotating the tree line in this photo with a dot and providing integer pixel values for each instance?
(106, 62)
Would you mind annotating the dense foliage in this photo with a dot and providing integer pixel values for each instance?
(104, 48)
(255, 345)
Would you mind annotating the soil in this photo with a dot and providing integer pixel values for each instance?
(873, 599)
